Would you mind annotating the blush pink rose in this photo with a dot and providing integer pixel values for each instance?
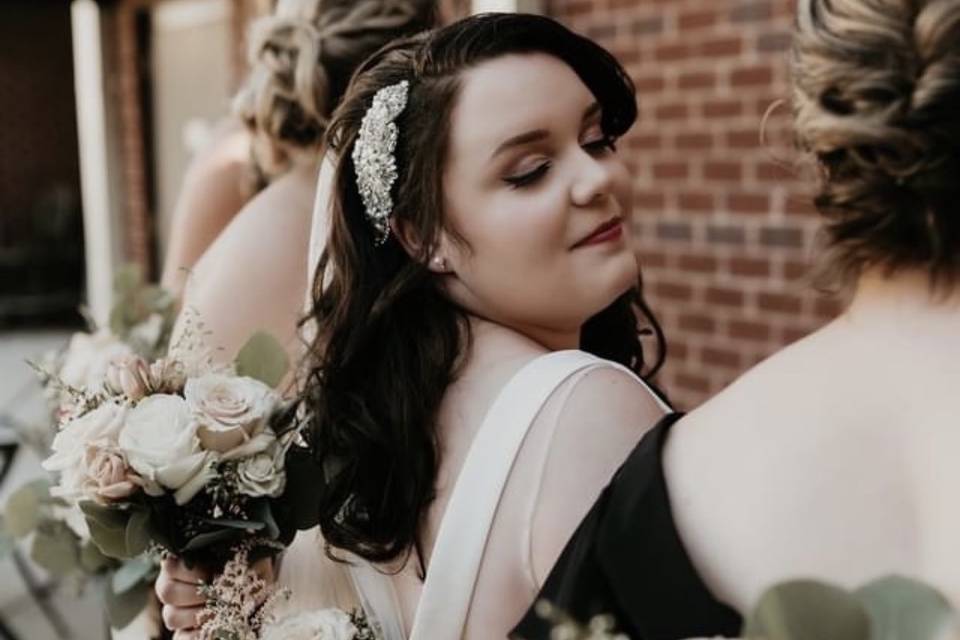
(129, 375)
(109, 477)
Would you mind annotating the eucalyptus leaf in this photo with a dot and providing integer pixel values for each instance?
(23, 509)
(108, 528)
(104, 516)
(7, 541)
(131, 573)
(7, 544)
(56, 549)
(808, 610)
(118, 321)
(245, 525)
(263, 358)
(92, 559)
(123, 607)
(137, 532)
(903, 608)
(207, 539)
(265, 514)
(127, 279)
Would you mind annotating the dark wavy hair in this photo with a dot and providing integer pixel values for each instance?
(876, 94)
(389, 341)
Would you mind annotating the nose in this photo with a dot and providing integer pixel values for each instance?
(593, 180)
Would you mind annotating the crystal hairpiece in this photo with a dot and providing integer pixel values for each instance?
(373, 159)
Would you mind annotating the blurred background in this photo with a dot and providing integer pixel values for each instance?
(104, 103)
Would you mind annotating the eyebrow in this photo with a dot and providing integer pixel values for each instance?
(539, 134)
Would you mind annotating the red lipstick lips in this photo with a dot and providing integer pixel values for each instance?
(609, 231)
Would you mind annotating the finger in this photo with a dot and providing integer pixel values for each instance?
(181, 618)
(177, 593)
(179, 571)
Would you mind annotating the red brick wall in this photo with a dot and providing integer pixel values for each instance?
(724, 231)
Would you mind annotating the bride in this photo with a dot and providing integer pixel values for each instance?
(475, 379)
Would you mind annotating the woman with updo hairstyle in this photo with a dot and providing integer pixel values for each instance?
(254, 276)
(836, 458)
(300, 58)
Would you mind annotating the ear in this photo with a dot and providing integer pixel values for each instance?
(403, 231)
(436, 259)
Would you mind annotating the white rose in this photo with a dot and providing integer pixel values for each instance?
(326, 624)
(160, 442)
(260, 475)
(230, 411)
(100, 427)
(88, 356)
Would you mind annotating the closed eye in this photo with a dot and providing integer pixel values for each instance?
(601, 145)
(529, 178)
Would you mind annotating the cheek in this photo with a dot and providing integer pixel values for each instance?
(520, 230)
(622, 187)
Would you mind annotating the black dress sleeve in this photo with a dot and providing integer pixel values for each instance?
(626, 559)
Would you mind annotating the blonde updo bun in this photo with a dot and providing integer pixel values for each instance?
(301, 59)
(877, 101)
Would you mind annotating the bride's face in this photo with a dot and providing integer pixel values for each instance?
(539, 197)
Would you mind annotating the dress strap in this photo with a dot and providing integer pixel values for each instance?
(465, 527)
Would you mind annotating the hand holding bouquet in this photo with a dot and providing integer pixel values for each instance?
(194, 460)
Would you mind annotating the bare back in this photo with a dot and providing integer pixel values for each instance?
(835, 458)
(577, 441)
(254, 276)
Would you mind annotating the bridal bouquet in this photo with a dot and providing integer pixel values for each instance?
(55, 530)
(183, 456)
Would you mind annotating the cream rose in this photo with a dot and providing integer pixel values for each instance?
(102, 427)
(230, 411)
(88, 356)
(160, 442)
(326, 624)
(260, 475)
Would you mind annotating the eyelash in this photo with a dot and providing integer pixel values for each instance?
(602, 145)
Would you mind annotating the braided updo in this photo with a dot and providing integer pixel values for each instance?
(877, 101)
(301, 59)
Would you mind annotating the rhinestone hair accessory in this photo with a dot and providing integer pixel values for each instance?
(373, 159)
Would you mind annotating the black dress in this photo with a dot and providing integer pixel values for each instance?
(626, 559)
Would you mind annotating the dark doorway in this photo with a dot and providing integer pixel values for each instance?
(41, 223)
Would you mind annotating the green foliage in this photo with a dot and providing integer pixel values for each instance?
(808, 610)
(92, 560)
(891, 608)
(56, 548)
(123, 607)
(135, 302)
(137, 533)
(25, 507)
(131, 573)
(108, 529)
(903, 608)
(263, 358)
(7, 541)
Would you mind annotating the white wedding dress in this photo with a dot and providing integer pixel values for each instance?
(464, 534)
